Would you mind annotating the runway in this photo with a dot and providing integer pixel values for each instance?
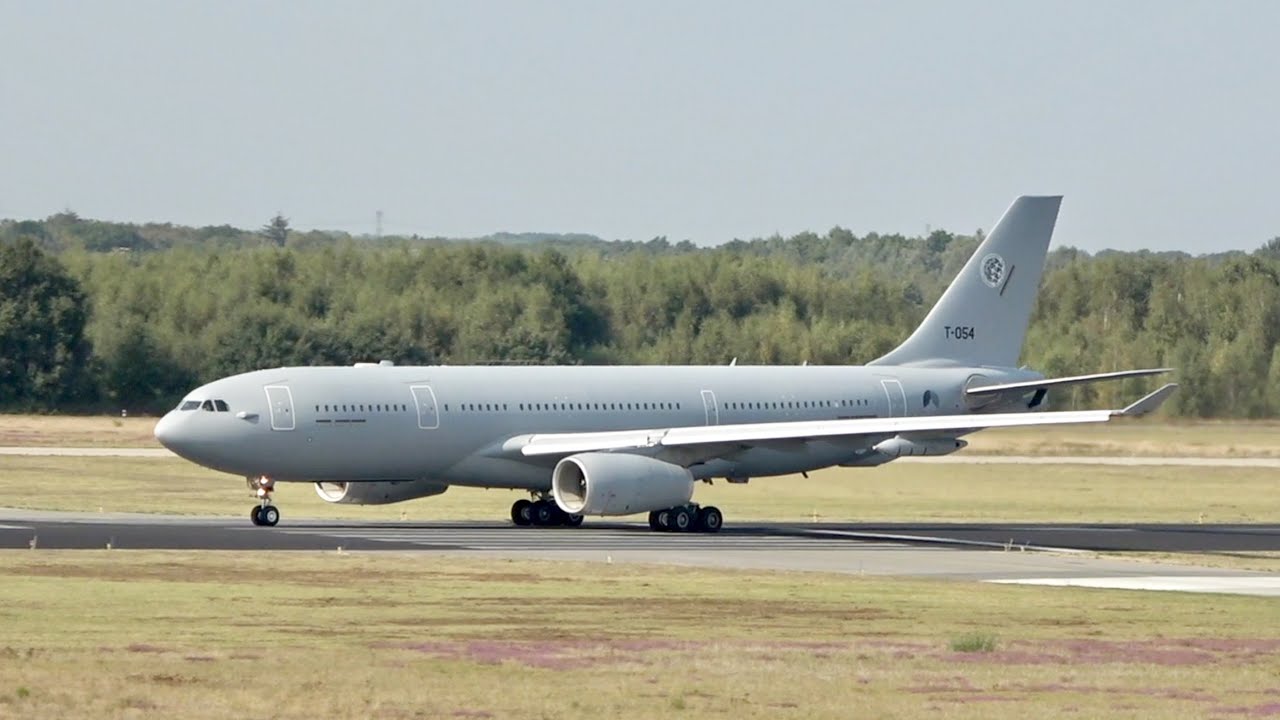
(1012, 553)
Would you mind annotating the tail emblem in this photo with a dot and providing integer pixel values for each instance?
(992, 268)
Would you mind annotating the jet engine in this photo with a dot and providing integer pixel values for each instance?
(618, 484)
(381, 492)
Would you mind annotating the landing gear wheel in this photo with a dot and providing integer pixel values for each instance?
(654, 525)
(522, 513)
(544, 513)
(710, 519)
(573, 520)
(681, 520)
(264, 513)
(270, 515)
(664, 521)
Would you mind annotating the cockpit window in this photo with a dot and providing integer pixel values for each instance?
(220, 405)
(207, 406)
(189, 405)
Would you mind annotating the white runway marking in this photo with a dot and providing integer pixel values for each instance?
(1265, 585)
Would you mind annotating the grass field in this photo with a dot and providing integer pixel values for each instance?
(303, 635)
(1145, 437)
(114, 634)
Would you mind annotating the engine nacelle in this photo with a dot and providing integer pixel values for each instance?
(906, 447)
(618, 484)
(382, 492)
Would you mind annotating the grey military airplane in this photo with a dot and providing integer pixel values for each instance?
(609, 441)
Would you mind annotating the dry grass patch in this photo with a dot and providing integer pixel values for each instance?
(1142, 437)
(77, 431)
(116, 634)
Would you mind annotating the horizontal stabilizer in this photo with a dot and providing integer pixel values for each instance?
(1150, 403)
(1047, 383)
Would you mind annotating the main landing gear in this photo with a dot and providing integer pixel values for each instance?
(264, 513)
(543, 513)
(687, 518)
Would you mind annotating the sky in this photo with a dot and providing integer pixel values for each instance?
(702, 120)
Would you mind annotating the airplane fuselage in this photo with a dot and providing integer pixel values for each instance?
(452, 424)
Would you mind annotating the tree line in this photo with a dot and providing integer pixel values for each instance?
(96, 325)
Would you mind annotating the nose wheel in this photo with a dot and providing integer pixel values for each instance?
(267, 515)
(264, 513)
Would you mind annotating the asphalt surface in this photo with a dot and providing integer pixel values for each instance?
(143, 531)
(1014, 553)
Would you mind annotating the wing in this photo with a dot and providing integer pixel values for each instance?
(756, 434)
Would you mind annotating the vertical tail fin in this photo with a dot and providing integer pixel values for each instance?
(982, 317)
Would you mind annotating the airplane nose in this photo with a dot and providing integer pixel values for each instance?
(167, 431)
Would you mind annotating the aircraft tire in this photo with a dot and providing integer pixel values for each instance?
(522, 513)
(664, 521)
(270, 515)
(255, 514)
(544, 513)
(572, 520)
(710, 519)
(681, 520)
(654, 525)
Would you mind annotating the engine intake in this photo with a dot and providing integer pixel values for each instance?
(382, 492)
(618, 484)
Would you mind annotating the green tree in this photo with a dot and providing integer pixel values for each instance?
(277, 230)
(43, 350)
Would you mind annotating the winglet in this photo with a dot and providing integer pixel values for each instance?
(1149, 403)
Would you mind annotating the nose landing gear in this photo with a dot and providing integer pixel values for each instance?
(264, 513)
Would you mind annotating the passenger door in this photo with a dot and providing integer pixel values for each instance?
(424, 398)
(709, 407)
(280, 402)
(897, 398)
